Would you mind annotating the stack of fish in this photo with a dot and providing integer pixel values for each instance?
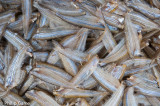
(80, 52)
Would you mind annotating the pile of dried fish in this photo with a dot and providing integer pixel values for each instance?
(80, 52)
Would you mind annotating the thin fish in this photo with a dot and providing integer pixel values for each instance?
(16, 40)
(157, 75)
(7, 17)
(14, 69)
(27, 11)
(42, 98)
(74, 93)
(114, 100)
(129, 97)
(68, 10)
(144, 88)
(108, 40)
(55, 69)
(132, 40)
(85, 21)
(106, 80)
(85, 71)
(26, 85)
(53, 34)
(69, 65)
(51, 77)
(74, 55)
(150, 12)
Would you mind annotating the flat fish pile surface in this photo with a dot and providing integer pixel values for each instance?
(80, 52)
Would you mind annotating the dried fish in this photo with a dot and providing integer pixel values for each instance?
(85, 71)
(156, 3)
(118, 72)
(74, 55)
(157, 74)
(144, 88)
(116, 97)
(34, 103)
(43, 21)
(150, 12)
(89, 83)
(153, 101)
(40, 56)
(85, 21)
(113, 19)
(69, 93)
(69, 65)
(26, 85)
(7, 17)
(67, 9)
(132, 41)
(10, 1)
(27, 10)
(143, 21)
(55, 69)
(53, 34)
(14, 69)
(79, 52)
(82, 102)
(51, 77)
(108, 40)
(41, 97)
(106, 80)
(16, 40)
(136, 70)
(129, 98)
(13, 99)
(120, 53)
